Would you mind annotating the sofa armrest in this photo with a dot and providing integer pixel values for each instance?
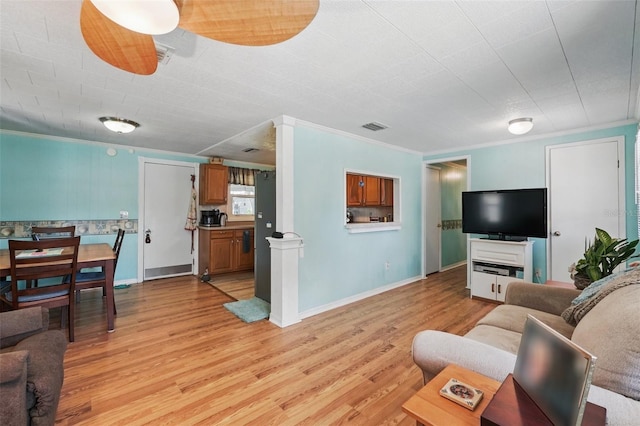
(13, 387)
(434, 350)
(45, 373)
(553, 300)
(22, 323)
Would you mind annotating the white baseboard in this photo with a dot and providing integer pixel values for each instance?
(125, 282)
(338, 303)
(455, 265)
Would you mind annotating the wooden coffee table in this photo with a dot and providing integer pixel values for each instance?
(429, 408)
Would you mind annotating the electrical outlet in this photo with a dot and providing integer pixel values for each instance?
(387, 265)
(538, 272)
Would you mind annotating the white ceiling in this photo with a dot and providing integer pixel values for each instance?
(440, 74)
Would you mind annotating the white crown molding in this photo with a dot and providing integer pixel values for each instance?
(532, 138)
(96, 143)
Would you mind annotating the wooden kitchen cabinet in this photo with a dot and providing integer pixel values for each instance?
(214, 182)
(354, 190)
(363, 190)
(222, 251)
(243, 260)
(371, 191)
(386, 192)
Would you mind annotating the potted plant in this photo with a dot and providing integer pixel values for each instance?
(601, 258)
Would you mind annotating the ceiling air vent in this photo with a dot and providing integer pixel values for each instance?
(164, 53)
(375, 126)
(250, 150)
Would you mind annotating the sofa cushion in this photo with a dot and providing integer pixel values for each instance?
(497, 337)
(574, 313)
(610, 332)
(513, 318)
(22, 323)
(45, 373)
(595, 286)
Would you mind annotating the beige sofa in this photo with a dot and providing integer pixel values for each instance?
(610, 330)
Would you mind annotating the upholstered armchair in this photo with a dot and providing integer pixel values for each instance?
(31, 367)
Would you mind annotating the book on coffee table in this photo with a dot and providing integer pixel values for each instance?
(462, 393)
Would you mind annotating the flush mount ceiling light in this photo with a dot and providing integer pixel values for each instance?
(520, 126)
(152, 17)
(119, 125)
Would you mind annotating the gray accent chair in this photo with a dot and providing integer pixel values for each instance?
(611, 331)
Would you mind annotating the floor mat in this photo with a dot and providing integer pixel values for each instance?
(250, 310)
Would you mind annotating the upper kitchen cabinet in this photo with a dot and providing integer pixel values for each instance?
(214, 180)
(355, 191)
(363, 190)
(386, 192)
(372, 202)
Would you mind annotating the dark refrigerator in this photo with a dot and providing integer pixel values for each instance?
(264, 226)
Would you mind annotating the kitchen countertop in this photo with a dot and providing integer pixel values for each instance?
(229, 227)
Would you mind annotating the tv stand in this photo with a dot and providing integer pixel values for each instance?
(496, 263)
(502, 237)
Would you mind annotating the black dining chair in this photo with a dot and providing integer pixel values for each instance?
(54, 262)
(95, 279)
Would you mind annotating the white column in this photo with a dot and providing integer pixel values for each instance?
(284, 172)
(284, 251)
(284, 272)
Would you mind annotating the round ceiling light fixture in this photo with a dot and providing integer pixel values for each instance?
(152, 17)
(119, 125)
(520, 126)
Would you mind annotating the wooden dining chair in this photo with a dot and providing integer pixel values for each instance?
(46, 232)
(95, 279)
(54, 262)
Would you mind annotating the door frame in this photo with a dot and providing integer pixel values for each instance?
(622, 225)
(141, 213)
(426, 173)
(426, 163)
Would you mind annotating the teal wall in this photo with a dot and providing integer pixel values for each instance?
(521, 165)
(50, 179)
(336, 264)
(453, 180)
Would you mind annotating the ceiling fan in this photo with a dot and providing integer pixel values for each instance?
(108, 25)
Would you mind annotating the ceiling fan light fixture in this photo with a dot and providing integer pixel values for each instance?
(119, 125)
(152, 17)
(520, 126)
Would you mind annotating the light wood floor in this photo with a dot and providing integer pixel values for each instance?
(239, 285)
(178, 357)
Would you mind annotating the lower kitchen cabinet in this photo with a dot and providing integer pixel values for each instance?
(244, 253)
(223, 251)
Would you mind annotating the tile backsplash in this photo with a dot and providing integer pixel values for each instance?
(22, 229)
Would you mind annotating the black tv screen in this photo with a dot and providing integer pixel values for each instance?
(505, 213)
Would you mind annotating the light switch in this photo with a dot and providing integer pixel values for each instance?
(259, 215)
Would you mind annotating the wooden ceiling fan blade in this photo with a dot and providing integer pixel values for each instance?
(247, 22)
(116, 45)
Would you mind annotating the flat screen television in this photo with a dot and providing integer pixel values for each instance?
(508, 214)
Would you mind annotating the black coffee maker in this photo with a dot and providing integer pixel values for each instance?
(210, 217)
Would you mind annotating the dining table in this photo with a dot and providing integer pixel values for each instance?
(89, 256)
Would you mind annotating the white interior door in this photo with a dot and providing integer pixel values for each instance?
(433, 226)
(166, 251)
(586, 190)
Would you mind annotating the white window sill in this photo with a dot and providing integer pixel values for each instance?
(358, 228)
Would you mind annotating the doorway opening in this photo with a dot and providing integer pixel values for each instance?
(445, 246)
